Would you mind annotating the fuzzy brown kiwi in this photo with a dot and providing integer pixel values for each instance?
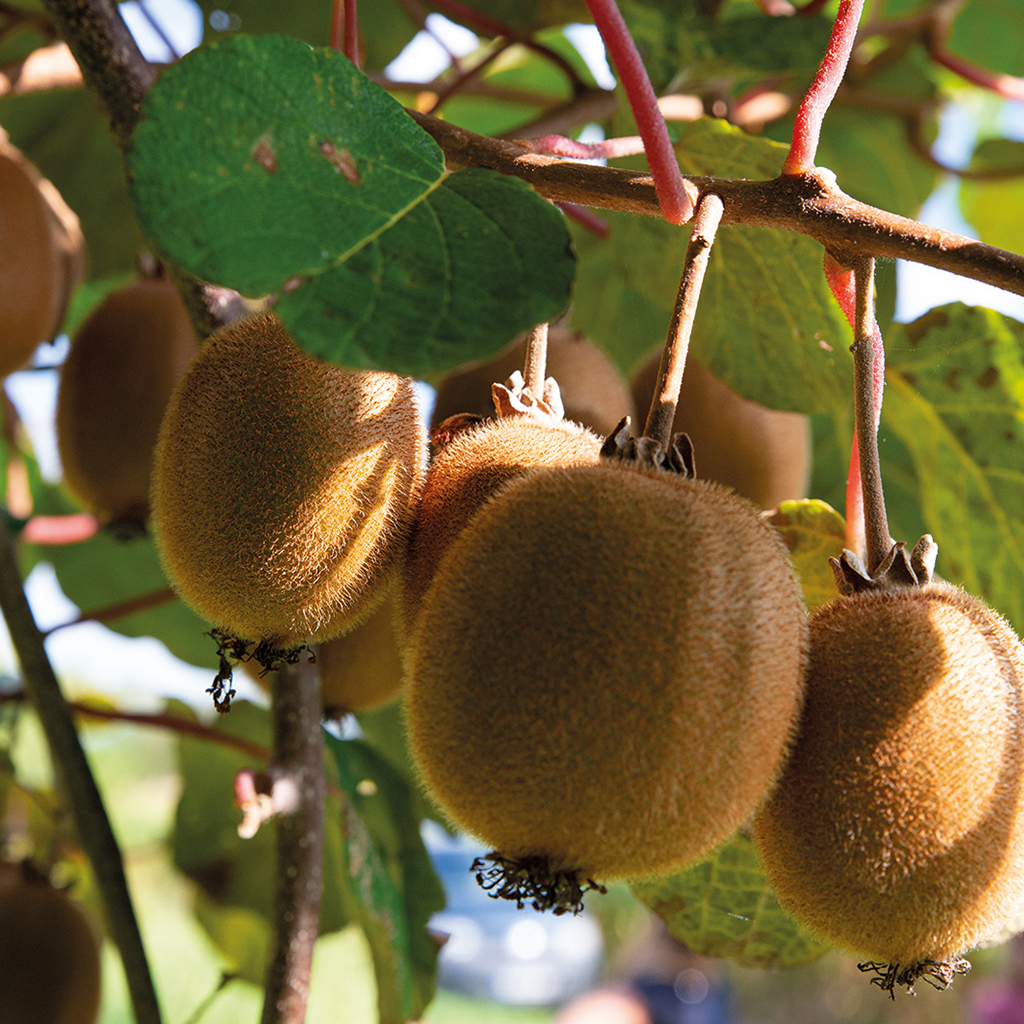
(593, 391)
(41, 257)
(763, 454)
(49, 957)
(467, 470)
(284, 487)
(607, 671)
(115, 384)
(897, 829)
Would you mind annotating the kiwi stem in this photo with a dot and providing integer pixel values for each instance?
(866, 414)
(662, 413)
(298, 761)
(535, 365)
(82, 797)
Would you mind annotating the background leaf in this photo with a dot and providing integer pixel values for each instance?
(955, 398)
(814, 532)
(996, 207)
(722, 906)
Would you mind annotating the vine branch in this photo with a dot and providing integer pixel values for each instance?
(83, 798)
(809, 204)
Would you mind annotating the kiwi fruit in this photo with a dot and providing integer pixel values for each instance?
(593, 391)
(284, 487)
(897, 829)
(762, 453)
(42, 253)
(49, 956)
(467, 470)
(115, 384)
(606, 671)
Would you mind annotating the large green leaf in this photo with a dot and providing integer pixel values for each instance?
(292, 171)
(955, 398)
(722, 906)
(393, 883)
(767, 324)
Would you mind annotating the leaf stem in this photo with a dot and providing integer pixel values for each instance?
(807, 128)
(661, 157)
(662, 414)
(83, 798)
(298, 761)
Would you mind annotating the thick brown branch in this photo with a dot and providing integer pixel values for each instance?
(809, 204)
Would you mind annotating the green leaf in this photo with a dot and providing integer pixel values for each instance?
(767, 324)
(955, 398)
(722, 906)
(814, 532)
(996, 207)
(293, 171)
(991, 34)
(392, 881)
(102, 572)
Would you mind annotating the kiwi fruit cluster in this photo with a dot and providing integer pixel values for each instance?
(42, 257)
(284, 487)
(115, 384)
(897, 828)
(49, 953)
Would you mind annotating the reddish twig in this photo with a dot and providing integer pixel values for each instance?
(139, 603)
(585, 218)
(810, 114)
(1007, 86)
(661, 157)
(469, 75)
(55, 531)
(559, 145)
(345, 30)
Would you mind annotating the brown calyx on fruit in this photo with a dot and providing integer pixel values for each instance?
(120, 371)
(593, 392)
(763, 454)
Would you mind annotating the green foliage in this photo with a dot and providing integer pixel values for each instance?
(722, 906)
(995, 205)
(814, 532)
(294, 172)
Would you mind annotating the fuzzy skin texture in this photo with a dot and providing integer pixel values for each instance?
(593, 391)
(763, 454)
(115, 384)
(363, 670)
(608, 669)
(49, 957)
(284, 487)
(897, 831)
(42, 254)
(467, 471)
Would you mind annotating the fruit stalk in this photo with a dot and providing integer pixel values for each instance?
(82, 797)
(298, 763)
(670, 375)
(536, 362)
(867, 408)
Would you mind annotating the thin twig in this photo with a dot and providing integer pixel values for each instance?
(868, 371)
(138, 603)
(662, 413)
(298, 758)
(811, 112)
(82, 796)
(809, 204)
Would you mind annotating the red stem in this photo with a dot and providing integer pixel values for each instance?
(585, 218)
(345, 30)
(661, 158)
(559, 145)
(1008, 86)
(57, 530)
(807, 128)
